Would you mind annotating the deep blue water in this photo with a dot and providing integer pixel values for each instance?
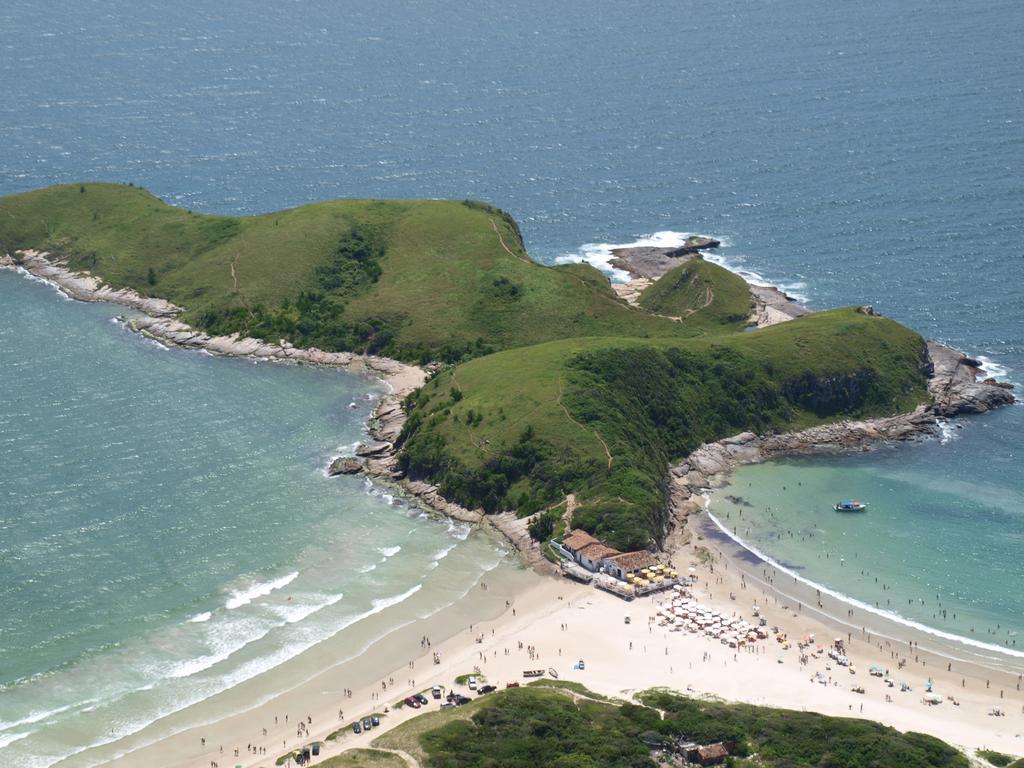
(859, 152)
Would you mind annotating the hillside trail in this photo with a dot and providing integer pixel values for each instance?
(508, 250)
(597, 434)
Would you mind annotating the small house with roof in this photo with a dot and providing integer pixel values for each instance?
(585, 549)
(620, 564)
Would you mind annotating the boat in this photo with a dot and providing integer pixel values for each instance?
(850, 506)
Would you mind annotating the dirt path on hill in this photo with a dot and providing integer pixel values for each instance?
(597, 434)
(508, 250)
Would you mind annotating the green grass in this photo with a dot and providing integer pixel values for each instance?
(701, 293)
(530, 425)
(562, 386)
(563, 728)
(441, 287)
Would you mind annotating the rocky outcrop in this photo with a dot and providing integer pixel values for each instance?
(955, 388)
(694, 244)
(345, 465)
(83, 286)
(772, 306)
(375, 450)
(631, 291)
(651, 262)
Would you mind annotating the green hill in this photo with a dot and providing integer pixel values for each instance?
(561, 386)
(414, 280)
(603, 417)
(701, 293)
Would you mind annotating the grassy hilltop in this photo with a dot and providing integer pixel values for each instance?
(556, 385)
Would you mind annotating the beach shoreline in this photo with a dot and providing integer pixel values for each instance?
(552, 624)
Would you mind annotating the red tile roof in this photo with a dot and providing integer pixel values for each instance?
(577, 540)
(634, 561)
(597, 551)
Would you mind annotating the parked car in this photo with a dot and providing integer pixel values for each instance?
(436, 691)
(421, 698)
(356, 727)
(412, 702)
(367, 724)
(460, 699)
(446, 704)
(487, 689)
(513, 684)
(375, 721)
(472, 683)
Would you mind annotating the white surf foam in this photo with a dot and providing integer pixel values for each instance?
(991, 368)
(441, 554)
(890, 615)
(200, 617)
(390, 551)
(947, 431)
(792, 288)
(386, 602)
(245, 596)
(10, 738)
(600, 255)
(36, 717)
(293, 613)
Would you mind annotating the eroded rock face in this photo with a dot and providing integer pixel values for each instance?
(374, 450)
(955, 388)
(345, 465)
(652, 262)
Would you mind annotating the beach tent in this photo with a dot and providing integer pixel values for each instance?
(933, 698)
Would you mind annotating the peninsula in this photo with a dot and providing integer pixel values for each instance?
(542, 384)
(543, 399)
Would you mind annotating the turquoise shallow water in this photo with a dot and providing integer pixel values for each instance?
(166, 528)
(862, 152)
(931, 548)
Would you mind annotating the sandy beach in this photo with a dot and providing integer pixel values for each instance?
(554, 623)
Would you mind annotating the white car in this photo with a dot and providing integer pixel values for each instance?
(472, 683)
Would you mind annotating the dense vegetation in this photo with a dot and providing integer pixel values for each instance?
(561, 387)
(538, 727)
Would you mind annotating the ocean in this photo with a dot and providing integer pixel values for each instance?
(863, 152)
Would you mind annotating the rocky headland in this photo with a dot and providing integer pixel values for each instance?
(956, 386)
(645, 264)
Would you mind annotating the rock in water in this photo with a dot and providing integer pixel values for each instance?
(345, 465)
